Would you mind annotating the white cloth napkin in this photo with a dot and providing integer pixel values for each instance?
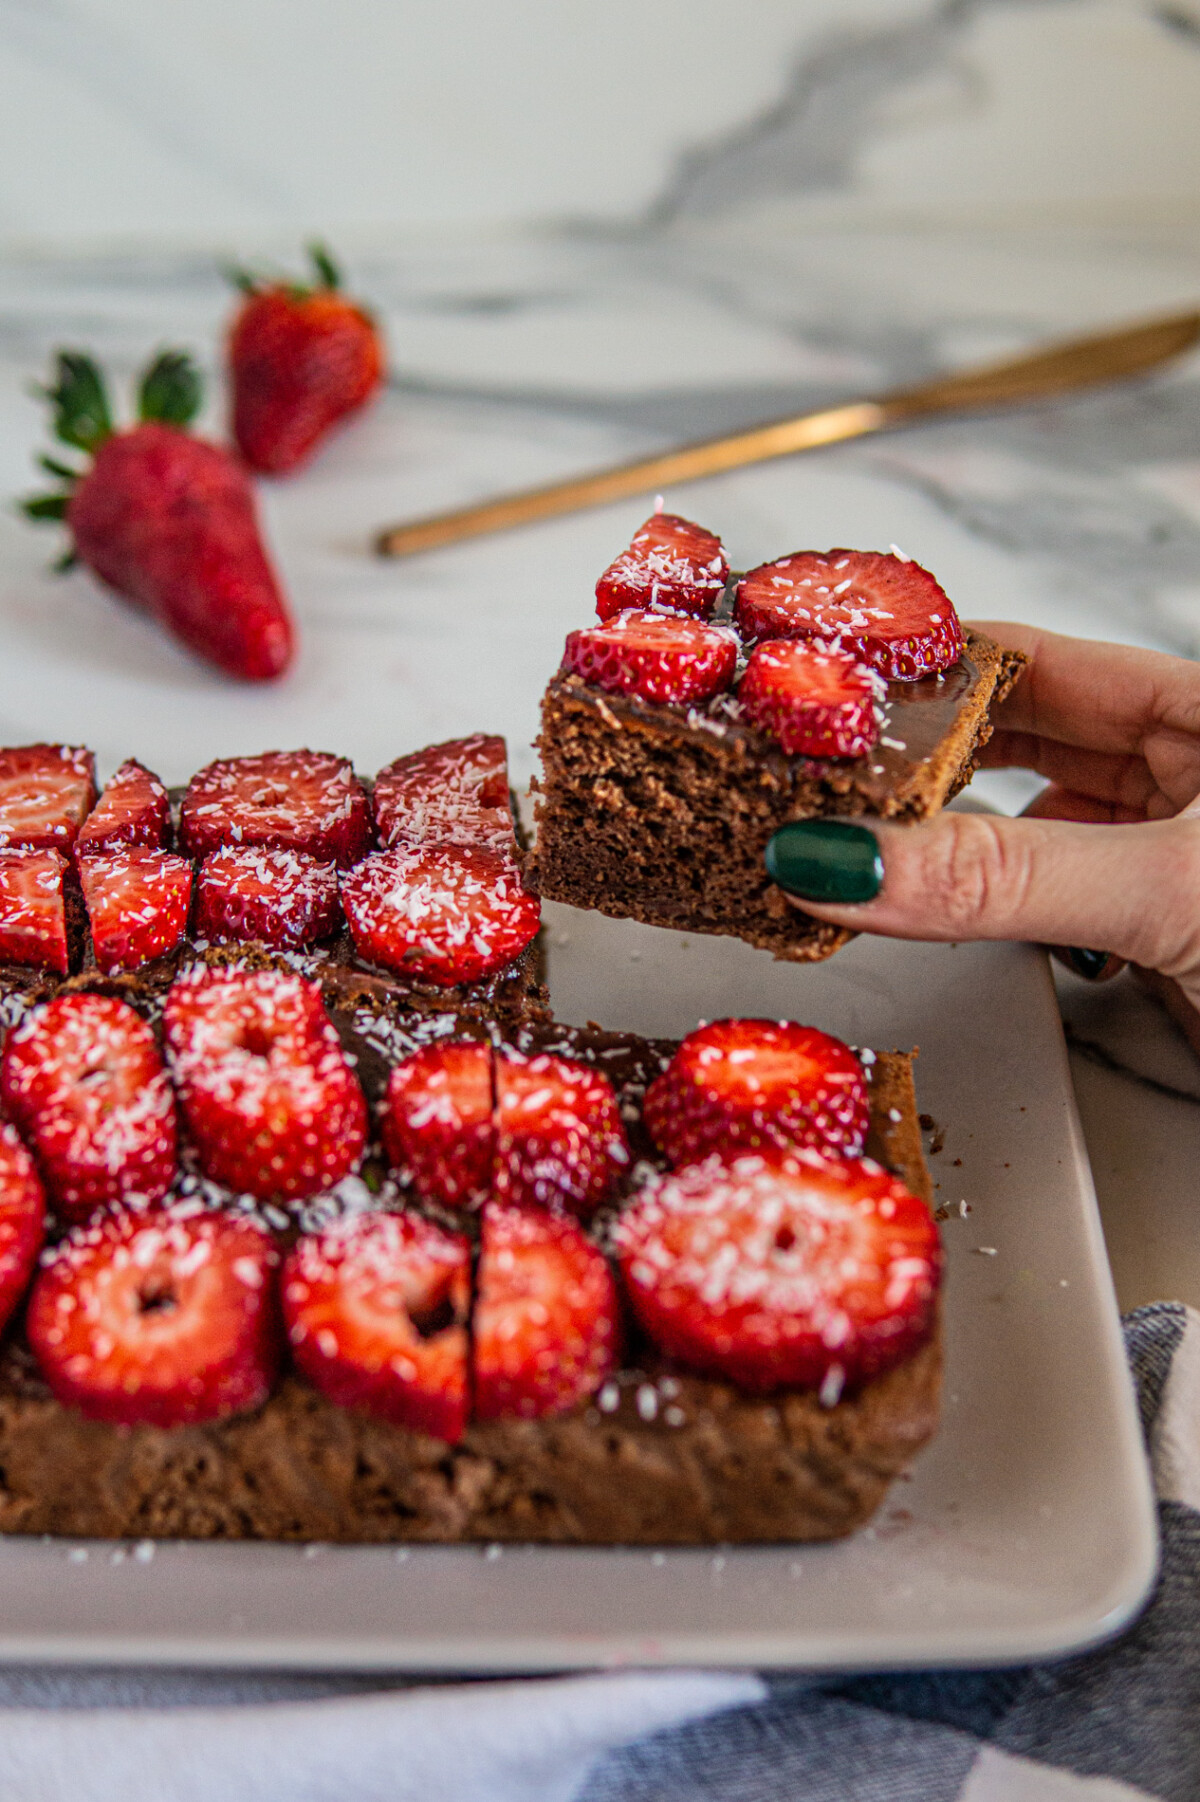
(482, 1742)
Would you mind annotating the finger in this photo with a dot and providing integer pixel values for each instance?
(1107, 697)
(1126, 889)
(1107, 776)
(1055, 803)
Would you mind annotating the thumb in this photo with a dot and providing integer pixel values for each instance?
(1133, 889)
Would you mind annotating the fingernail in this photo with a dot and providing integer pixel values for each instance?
(1090, 964)
(826, 860)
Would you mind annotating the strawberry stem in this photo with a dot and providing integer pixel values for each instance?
(171, 389)
(328, 273)
(81, 411)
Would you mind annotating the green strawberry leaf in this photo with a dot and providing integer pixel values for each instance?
(46, 506)
(328, 273)
(53, 467)
(81, 412)
(171, 389)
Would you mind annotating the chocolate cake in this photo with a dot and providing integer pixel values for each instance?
(659, 1456)
(661, 812)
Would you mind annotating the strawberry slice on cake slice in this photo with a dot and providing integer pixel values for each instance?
(82, 1079)
(46, 793)
(271, 1103)
(281, 898)
(308, 801)
(376, 1309)
(670, 565)
(439, 1121)
(813, 703)
(22, 1220)
(134, 809)
(137, 901)
(560, 1140)
(164, 1319)
(747, 1084)
(656, 656)
(440, 914)
(880, 609)
(449, 794)
(33, 910)
(782, 1269)
(546, 1327)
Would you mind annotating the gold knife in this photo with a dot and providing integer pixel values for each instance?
(1079, 363)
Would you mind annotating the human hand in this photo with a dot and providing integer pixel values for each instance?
(1108, 855)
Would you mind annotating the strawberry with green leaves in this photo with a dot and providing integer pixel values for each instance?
(301, 359)
(165, 518)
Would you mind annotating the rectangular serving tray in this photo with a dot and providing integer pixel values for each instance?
(1026, 1529)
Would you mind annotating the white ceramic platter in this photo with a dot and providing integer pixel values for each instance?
(1026, 1529)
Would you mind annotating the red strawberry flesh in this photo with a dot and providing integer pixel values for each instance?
(814, 703)
(438, 1122)
(165, 1319)
(440, 914)
(46, 792)
(134, 809)
(169, 521)
(33, 910)
(881, 610)
(271, 1104)
(22, 1220)
(670, 564)
(449, 794)
(560, 1142)
(280, 898)
(657, 656)
(300, 363)
(782, 1269)
(306, 801)
(753, 1083)
(82, 1079)
(376, 1309)
(545, 1331)
(137, 902)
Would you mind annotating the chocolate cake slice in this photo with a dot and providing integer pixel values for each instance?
(658, 1456)
(661, 812)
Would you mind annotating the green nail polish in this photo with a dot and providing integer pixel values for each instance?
(826, 860)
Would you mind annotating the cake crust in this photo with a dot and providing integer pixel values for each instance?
(662, 813)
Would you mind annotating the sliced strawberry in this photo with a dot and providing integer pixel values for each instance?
(33, 910)
(658, 656)
(82, 1078)
(881, 610)
(560, 1142)
(280, 898)
(270, 1101)
(451, 794)
(22, 1220)
(376, 1309)
(305, 801)
(134, 809)
(545, 1331)
(442, 914)
(165, 1318)
(137, 903)
(438, 1121)
(752, 1083)
(670, 564)
(782, 1269)
(815, 703)
(45, 794)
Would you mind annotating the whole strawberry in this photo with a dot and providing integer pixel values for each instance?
(300, 360)
(167, 519)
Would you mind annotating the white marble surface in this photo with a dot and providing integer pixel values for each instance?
(235, 118)
(522, 356)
